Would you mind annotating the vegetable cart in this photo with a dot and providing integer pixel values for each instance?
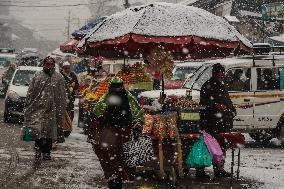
(173, 133)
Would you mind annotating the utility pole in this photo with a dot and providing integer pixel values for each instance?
(78, 22)
(68, 24)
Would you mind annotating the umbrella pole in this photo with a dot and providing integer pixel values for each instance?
(163, 91)
(124, 63)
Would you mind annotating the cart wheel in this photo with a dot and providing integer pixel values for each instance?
(172, 179)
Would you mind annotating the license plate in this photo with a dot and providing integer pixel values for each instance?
(190, 116)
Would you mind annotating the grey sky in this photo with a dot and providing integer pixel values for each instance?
(51, 22)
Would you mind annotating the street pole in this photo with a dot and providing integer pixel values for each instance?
(68, 24)
(263, 30)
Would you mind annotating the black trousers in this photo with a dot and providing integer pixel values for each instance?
(44, 144)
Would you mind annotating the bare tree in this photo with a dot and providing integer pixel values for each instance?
(104, 7)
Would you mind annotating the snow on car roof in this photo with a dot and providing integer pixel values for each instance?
(189, 64)
(247, 61)
(9, 55)
(35, 68)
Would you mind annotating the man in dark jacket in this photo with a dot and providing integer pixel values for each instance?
(217, 117)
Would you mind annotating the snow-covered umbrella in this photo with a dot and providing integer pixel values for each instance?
(183, 30)
(83, 31)
(69, 46)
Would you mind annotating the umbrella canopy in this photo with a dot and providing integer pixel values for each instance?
(180, 29)
(82, 32)
(69, 46)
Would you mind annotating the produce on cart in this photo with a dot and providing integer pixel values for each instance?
(135, 79)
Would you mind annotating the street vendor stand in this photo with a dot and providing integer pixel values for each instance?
(161, 32)
(135, 80)
(173, 132)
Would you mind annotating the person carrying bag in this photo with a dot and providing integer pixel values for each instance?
(115, 115)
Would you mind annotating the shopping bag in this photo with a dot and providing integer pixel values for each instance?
(67, 122)
(27, 135)
(138, 151)
(213, 147)
(108, 137)
(199, 155)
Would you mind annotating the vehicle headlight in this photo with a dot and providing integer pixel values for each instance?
(13, 95)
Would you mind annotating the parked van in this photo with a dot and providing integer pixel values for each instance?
(258, 96)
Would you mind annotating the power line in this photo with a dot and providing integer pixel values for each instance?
(46, 6)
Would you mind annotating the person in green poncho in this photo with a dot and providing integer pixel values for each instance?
(116, 114)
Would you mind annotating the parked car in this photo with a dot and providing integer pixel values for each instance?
(181, 71)
(30, 59)
(7, 56)
(259, 100)
(261, 48)
(17, 92)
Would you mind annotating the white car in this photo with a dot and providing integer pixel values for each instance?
(17, 92)
(259, 99)
(181, 71)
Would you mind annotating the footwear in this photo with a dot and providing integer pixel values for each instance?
(46, 156)
(37, 154)
(115, 183)
(222, 173)
(200, 174)
(54, 146)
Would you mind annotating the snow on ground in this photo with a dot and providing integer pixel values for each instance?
(265, 165)
(75, 165)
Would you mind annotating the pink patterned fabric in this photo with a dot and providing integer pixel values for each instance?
(213, 147)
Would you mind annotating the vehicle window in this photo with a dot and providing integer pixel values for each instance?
(5, 61)
(181, 73)
(268, 79)
(238, 79)
(117, 68)
(205, 76)
(189, 83)
(106, 67)
(23, 77)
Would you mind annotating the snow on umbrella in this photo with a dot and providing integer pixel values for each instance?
(83, 31)
(180, 29)
(69, 46)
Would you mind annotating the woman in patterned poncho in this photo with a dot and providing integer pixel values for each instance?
(116, 113)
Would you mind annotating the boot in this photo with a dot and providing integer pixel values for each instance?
(46, 156)
(37, 153)
(200, 174)
(221, 173)
(115, 183)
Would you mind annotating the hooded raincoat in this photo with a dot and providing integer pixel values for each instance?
(45, 105)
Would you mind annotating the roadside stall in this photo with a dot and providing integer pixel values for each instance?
(135, 80)
(175, 131)
(159, 33)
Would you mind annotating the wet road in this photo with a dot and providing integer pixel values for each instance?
(74, 165)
